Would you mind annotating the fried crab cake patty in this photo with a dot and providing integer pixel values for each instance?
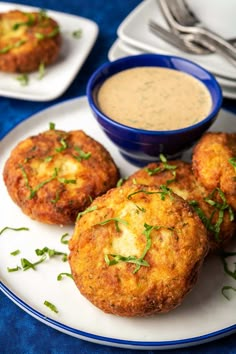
(214, 163)
(56, 174)
(212, 209)
(137, 251)
(27, 40)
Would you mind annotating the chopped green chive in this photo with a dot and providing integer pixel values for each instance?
(88, 210)
(232, 161)
(54, 32)
(52, 126)
(163, 193)
(15, 253)
(51, 253)
(66, 181)
(77, 34)
(15, 269)
(40, 185)
(14, 229)
(63, 145)
(41, 71)
(26, 264)
(43, 15)
(165, 167)
(61, 275)
(64, 238)
(112, 259)
(29, 22)
(12, 46)
(57, 197)
(23, 79)
(51, 306)
(226, 288)
(81, 154)
(39, 35)
(116, 220)
(121, 182)
(48, 158)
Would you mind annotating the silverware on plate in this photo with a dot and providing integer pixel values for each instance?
(185, 42)
(181, 19)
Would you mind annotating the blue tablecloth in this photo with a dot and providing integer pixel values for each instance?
(19, 332)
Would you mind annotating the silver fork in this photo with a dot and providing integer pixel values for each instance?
(184, 42)
(201, 47)
(186, 22)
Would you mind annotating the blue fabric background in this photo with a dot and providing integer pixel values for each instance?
(19, 332)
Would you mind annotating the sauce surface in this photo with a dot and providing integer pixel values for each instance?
(154, 98)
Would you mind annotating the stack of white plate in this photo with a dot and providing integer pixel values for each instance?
(134, 37)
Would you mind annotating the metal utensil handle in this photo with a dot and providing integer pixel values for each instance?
(184, 43)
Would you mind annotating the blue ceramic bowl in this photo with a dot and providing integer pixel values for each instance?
(143, 146)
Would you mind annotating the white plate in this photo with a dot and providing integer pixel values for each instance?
(205, 314)
(134, 30)
(121, 49)
(58, 76)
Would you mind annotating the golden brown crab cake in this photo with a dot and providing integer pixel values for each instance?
(28, 40)
(213, 210)
(56, 174)
(145, 246)
(214, 163)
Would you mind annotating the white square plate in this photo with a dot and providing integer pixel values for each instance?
(134, 31)
(59, 75)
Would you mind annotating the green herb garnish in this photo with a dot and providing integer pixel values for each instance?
(29, 22)
(40, 185)
(165, 167)
(54, 32)
(81, 154)
(15, 253)
(77, 34)
(64, 239)
(61, 275)
(14, 229)
(12, 46)
(164, 192)
(121, 182)
(52, 126)
(15, 269)
(112, 259)
(26, 264)
(41, 71)
(232, 161)
(226, 288)
(42, 15)
(220, 207)
(63, 145)
(57, 197)
(48, 158)
(23, 79)
(116, 220)
(88, 210)
(51, 253)
(51, 306)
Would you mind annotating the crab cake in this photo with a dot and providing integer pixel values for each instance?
(212, 208)
(214, 163)
(27, 40)
(56, 174)
(137, 250)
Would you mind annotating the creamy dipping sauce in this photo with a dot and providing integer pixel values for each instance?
(154, 98)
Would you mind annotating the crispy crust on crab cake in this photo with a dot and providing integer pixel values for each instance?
(54, 175)
(178, 176)
(145, 247)
(27, 40)
(214, 163)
